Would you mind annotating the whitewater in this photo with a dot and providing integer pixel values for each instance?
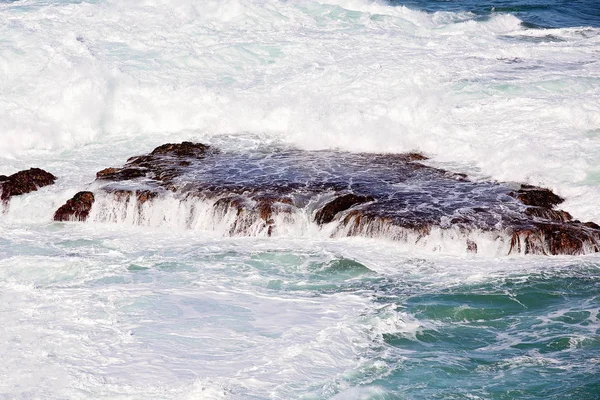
(115, 308)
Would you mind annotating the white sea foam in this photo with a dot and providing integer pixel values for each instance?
(83, 328)
(165, 310)
(350, 74)
(133, 312)
(207, 218)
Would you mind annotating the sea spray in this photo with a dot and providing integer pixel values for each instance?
(107, 310)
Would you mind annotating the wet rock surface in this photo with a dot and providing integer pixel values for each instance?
(536, 196)
(373, 195)
(76, 208)
(24, 182)
(327, 214)
(163, 164)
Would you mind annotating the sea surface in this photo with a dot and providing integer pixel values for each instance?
(504, 91)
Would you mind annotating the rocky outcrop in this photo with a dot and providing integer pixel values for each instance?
(24, 182)
(537, 196)
(163, 164)
(76, 208)
(326, 214)
(553, 238)
(345, 194)
(253, 212)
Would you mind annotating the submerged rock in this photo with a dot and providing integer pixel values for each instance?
(76, 208)
(392, 196)
(24, 182)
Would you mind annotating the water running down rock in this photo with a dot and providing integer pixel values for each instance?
(346, 194)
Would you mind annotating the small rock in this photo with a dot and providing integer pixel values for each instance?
(413, 156)
(537, 196)
(76, 209)
(183, 149)
(158, 165)
(471, 246)
(342, 203)
(552, 215)
(24, 182)
(592, 225)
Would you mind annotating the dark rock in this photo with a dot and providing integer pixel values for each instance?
(253, 210)
(157, 165)
(3, 178)
(415, 157)
(121, 174)
(126, 195)
(374, 195)
(106, 173)
(592, 225)
(527, 241)
(471, 246)
(225, 204)
(76, 209)
(143, 196)
(537, 196)
(339, 204)
(24, 182)
(370, 223)
(184, 149)
(549, 214)
(556, 238)
(267, 205)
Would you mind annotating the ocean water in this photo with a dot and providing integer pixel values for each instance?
(114, 309)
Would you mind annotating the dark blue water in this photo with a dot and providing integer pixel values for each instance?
(533, 13)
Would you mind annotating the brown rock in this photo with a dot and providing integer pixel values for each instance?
(255, 191)
(342, 203)
(157, 165)
(120, 174)
(592, 225)
(527, 241)
(24, 182)
(471, 246)
(184, 149)
(76, 209)
(266, 205)
(555, 238)
(537, 196)
(145, 195)
(105, 173)
(413, 156)
(552, 215)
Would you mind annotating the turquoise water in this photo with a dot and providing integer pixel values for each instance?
(523, 336)
(253, 319)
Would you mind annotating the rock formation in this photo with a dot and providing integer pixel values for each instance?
(76, 209)
(24, 182)
(373, 195)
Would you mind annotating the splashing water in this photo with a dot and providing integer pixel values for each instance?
(97, 310)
